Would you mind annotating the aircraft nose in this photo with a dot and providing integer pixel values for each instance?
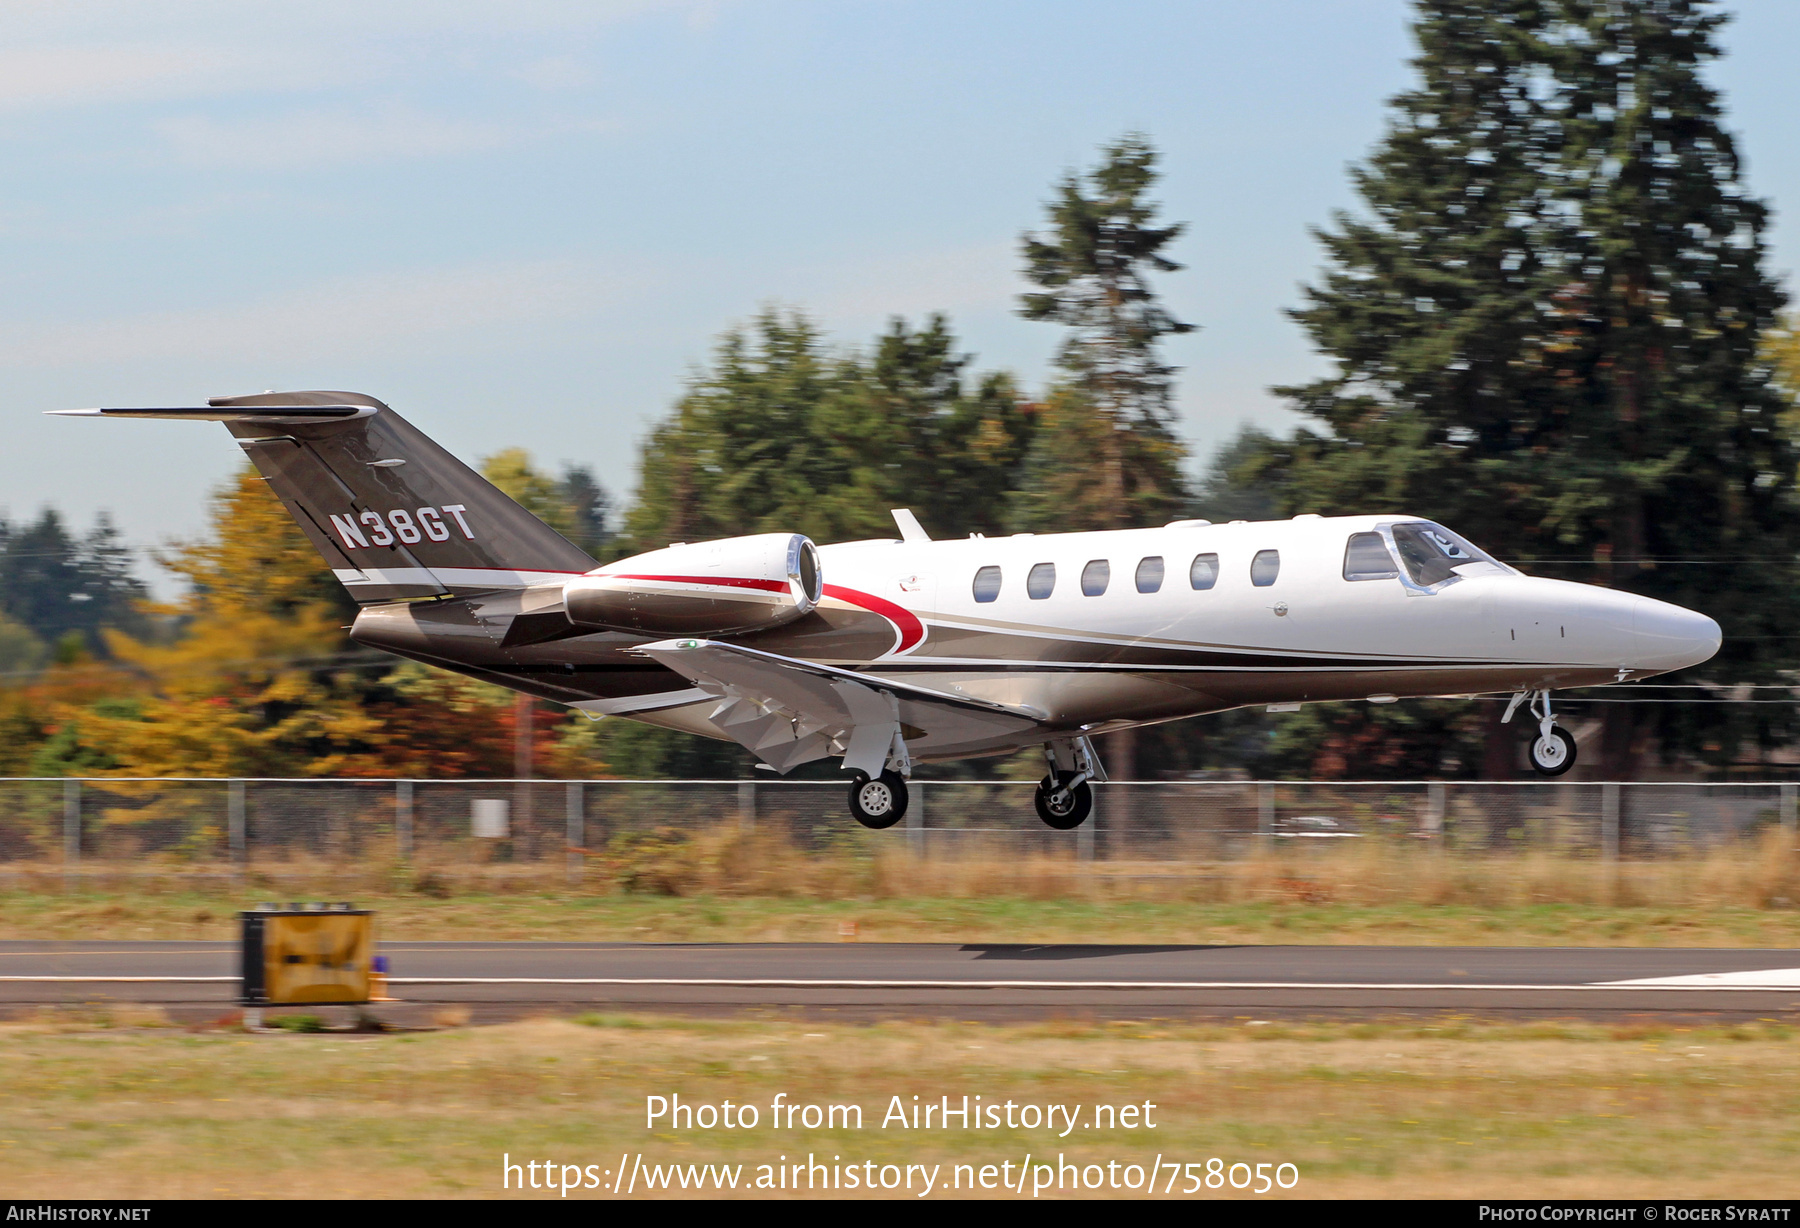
(1666, 637)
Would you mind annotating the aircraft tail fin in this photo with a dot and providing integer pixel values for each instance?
(394, 514)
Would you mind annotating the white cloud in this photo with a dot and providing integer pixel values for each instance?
(470, 308)
(316, 138)
(33, 77)
(54, 53)
(61, 20)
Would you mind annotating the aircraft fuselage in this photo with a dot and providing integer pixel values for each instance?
(1101, 630)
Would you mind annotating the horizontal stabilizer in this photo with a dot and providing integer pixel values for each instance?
(215, 413)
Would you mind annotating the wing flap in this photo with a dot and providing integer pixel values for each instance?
(788, 712)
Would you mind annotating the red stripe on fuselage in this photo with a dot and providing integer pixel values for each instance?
(904, 620)
(770, 586)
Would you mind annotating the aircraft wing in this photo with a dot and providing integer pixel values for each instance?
(788, 712)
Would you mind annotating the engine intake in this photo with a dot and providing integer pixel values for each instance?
(703, 588)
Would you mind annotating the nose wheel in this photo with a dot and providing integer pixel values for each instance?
(1553, 750)
(1553, 754)
(880, 801)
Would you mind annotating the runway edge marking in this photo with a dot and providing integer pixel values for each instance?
(1650, 985)
(799, 983)
(1785, 978)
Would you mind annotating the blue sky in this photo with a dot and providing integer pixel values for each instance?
(524, 222)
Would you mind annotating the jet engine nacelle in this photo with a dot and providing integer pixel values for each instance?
(706, 588)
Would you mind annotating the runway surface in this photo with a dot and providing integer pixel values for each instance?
(982, 980)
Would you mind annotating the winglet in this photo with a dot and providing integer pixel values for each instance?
(910, 528)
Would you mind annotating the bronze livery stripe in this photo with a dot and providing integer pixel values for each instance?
(1061, 667)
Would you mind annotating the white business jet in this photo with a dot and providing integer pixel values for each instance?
(884, 654)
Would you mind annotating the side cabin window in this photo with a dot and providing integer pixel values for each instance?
(1366, 557)
(1095, 577)
(1265, 567)
(987, 584)
(1040, 582)
(1203, 572)
(1150, 574)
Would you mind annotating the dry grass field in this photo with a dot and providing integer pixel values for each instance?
(727, 886)
(550, 915)
(119, 1107)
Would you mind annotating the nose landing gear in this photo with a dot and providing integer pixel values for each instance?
(1553, 750)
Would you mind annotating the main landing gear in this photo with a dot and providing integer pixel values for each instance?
(1063, 798)
(879, 802)
(1553, 750)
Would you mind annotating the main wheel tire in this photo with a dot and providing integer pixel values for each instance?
(1554, 755)
(880, 802)
(1061, 807)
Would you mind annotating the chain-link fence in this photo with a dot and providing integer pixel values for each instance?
(225, 823)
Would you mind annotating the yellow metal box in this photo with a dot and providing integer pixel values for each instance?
(307, 953)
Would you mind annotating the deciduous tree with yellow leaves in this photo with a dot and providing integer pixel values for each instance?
(259, 678)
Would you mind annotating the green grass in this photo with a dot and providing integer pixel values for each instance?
(578, 916)
(104, 1106)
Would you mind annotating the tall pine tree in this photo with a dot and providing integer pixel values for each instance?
(1106, 456)
(1546, 327)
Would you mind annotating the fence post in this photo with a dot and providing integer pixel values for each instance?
(577, 816)
(746, 805)
(234, 824)
(1084, 835)
(1609, 822)
(71, 830)
(1265, 810)
(1788, 794)
(915, 820)
(403, 820)
(1434, 813)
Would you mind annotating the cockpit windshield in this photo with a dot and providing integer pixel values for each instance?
(1433, 554)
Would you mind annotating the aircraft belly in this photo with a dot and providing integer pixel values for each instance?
(1071, 699)
(1240, 688)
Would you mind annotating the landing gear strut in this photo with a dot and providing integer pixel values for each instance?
(1063, 798)
(878, 802)
(1553, 750)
